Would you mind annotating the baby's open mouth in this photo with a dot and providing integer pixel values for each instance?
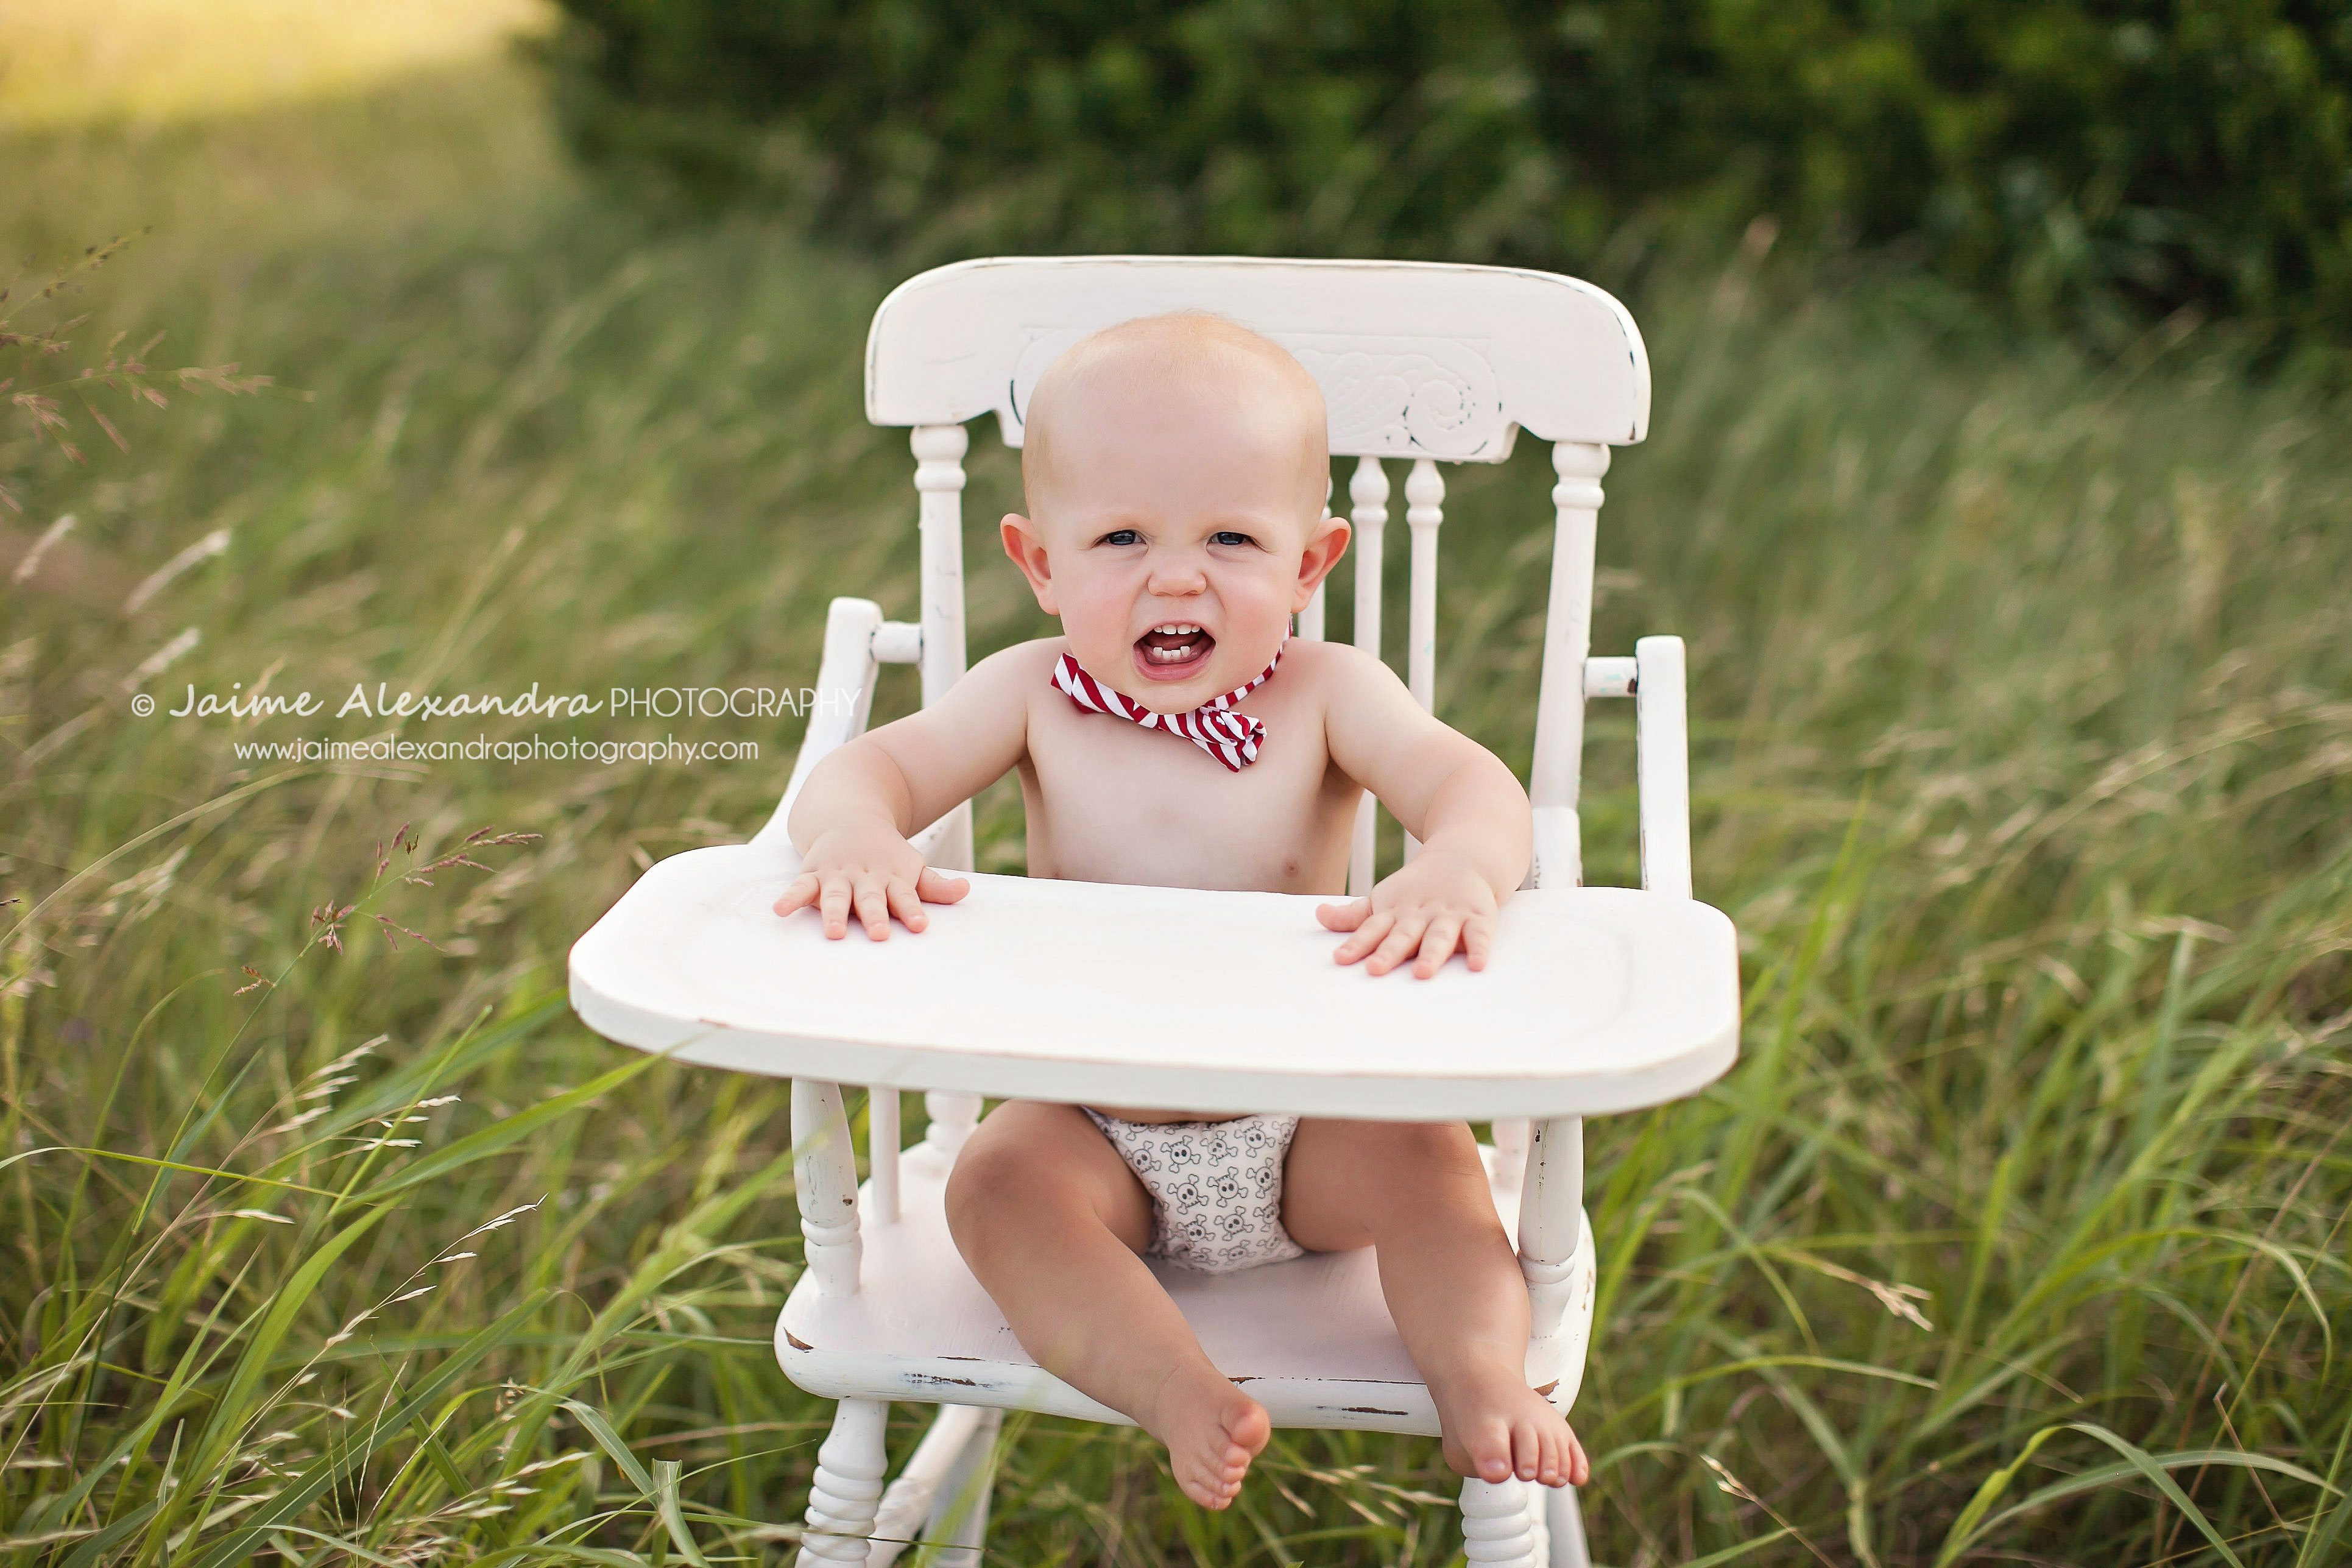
(1174, 643)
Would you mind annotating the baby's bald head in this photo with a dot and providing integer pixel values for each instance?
(1126, 382)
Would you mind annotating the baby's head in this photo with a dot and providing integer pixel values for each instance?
(1175, 469)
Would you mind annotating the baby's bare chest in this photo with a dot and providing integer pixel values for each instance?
(1109, 801)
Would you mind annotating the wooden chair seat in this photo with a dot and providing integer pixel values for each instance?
(1309, 1339)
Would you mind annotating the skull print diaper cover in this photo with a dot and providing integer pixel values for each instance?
(1216, 1187)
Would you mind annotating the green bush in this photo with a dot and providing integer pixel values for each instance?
(2101, 163)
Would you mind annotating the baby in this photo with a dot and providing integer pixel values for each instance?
(1175, 470)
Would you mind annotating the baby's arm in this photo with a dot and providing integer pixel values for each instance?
(1454, 795)
(856, 808)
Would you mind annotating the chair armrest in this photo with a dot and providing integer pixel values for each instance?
(1661, 765)
(845, 697)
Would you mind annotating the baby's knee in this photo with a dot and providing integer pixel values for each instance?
(1416, 1168)
(985, 1179)
(1421, 1148)
(1005, 1183)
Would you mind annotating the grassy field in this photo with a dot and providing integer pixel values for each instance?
(2024, 712)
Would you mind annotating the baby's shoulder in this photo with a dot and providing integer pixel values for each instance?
(1332, 667)
(1021, 666)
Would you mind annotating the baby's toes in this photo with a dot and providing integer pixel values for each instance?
(1204, 1483)
(1486, 1449)
(1527, 1457)
(1553, 1443)
(1247, 1427)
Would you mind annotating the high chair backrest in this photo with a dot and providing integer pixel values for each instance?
(1428, 362)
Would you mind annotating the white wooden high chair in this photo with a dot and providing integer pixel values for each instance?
(1597, 1000)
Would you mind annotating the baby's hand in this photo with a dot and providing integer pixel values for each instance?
(1438, 901)
(873, 870)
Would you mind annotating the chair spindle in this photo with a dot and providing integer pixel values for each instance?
(882, 1150)
(824, 1172)
(953, 1116)
(1662, 766)
(1511, 1136)
(846, 1490)
(939, 479)
(1424, 494)
(1496, 1531)
(1551, 1219)
(1568, 640)
(1369, 489)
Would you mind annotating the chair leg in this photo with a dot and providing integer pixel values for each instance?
(1495, 1525)
(848, 1489)
(1567, 1523)
(960, 1516)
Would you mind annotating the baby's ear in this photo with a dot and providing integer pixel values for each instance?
(1027, 549)
(1326, 543)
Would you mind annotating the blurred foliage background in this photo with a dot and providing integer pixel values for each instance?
(2085, 162)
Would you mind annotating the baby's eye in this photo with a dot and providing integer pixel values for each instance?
(1120, 536)
(1230, 536)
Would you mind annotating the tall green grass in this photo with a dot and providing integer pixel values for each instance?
(2023, 755)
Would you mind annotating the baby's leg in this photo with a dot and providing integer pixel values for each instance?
(1050, 1220)
(1417, 1191)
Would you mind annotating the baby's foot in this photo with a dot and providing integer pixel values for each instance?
(1495, 1428)
(1212, 1431)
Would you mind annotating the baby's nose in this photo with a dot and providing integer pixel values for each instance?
(1177, 577)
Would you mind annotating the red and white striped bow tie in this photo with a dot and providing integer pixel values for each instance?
(1231, 737)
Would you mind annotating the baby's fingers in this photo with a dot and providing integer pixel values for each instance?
(1343, 916)
(1478, 940)
(834, 905)
(874, 907)
(800, 894)
(1368, 936)
(1437, 946)
(1399, 944)
(939, 888)
(906, 904)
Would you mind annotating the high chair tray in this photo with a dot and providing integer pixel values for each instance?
(1595, 999)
